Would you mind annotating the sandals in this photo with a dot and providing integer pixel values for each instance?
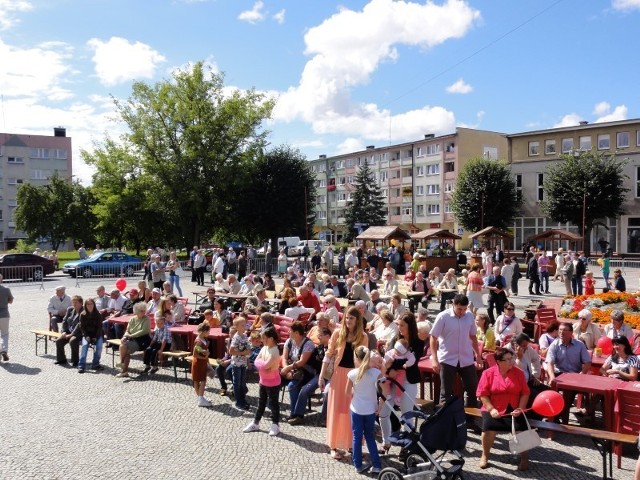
(484, 462)
(385, 449)
(336, 455)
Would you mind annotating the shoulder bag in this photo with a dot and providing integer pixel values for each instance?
(525, 440)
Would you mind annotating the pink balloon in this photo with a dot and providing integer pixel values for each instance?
(121, 284)
(606, 345)
(548, 403)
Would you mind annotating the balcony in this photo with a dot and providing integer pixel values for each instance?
(395, 200)
(407, 161)
(407, 180)
(331, 188)
(394, 182)
(407, 218)
(395, 219)
(11, 224)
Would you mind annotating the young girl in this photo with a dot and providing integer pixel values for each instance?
(267, 365)
(364, 407)
(589, 284)
(200, 363)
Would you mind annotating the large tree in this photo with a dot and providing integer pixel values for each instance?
(271, 201)
(485, 195)
(583, 188)
(56, 211)
(366, 205)
(193, 136)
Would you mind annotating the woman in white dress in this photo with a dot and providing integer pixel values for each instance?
(507, 273)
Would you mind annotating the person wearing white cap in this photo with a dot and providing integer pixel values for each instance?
(57, 308)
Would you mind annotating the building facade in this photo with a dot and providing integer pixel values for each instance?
(28, 159)
(531, 153)
(417, 180)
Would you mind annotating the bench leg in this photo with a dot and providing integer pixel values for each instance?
(175, 368)
(604, 448)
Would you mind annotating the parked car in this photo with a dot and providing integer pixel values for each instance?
(104, 263)
(21, 266)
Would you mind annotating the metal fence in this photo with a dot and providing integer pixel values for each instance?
(97, 272)
(23, 275)
(621, 263)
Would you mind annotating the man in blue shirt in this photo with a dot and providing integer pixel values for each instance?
(566, 354)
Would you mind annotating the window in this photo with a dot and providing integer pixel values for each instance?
(518, 187)
(567, 145)
(322, 214)
(637, 182)
(420, 210)
(39, 153)
(349, 196)
(622, 139)
(585, 142)
(61, 154)
(395, 174)
(383, 176)
(322, 183)
(534, 148)
(395, 210)
(419, 152)
(433, 169)
(540, 187)
(384, 193)
(433, 209)
(406, 210)
(342, 180)
(638, 138)
(12, 203)
(350, 179)
(433, 149)
(408, 154)
(447, 208)
(314, 168)
(332, 166)
(490, 153)
(396, 192)
(433, 189)
(448, 187)
(322, 168)
(39, 174)
(15, 160)
(340, 164)
(549, 147)
(395, 155)
(342, 196)
(332, 197)
(420, 190)
(449, 167)
(420, 171)
(604, 141)
(382, 156)
(321, 199)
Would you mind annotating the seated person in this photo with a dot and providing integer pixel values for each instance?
(449, 282)
(567, 355)
(257, 300)
(286, 295)
(339, 288)
(617, 327)
(247, 286)
(395, 307)
(419, 285)
(388, 269)
(131, 298)
(367, 283)
(58, 306)
(220, 284)
(322, 322)
(387, 329)
(357, 291)
(234, 284)
(221, 315)
(330, 310)
(390, 284)
(307, 299)
(177, 308)
(269, 283)
(208, 302)
(154, 303)
(71, 333)
(622, 363)
(160, 342)
(166, 289)
(136, 337)
(295, 310)
(102, 301)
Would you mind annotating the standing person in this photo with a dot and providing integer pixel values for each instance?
(559, 264)
(157, 271)
(474, 288)
(507, 273)
(567, 274)
(362, 385)
(200, 363)
(282, 263)
(543, 266)
(82, 252)
(5, 299)
(497, 296)
(327, 258)
(242, 264)
(91, 330)
(454, 347)
(342, 258)
(267, 363)
(343, 342)
(579, 269)
(232, 261)
(199, 264)
(606, 265)
(516, 275)
(533, 275)
(173, 265)
(192, 257)
(147, 265)
(240, 350)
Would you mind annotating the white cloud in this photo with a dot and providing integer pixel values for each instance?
(279, 17)
(619, 113)
(347, 48)
(7, 10)
(308, 144)
(459, 87)
(569, 120)
(350, 145)
(625, 4)
(254, 15)
(118, 61)
(601, 108)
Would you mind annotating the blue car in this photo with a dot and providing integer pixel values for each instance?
(104, 263)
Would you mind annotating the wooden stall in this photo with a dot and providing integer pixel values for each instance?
(381, 236)
(488, 237)
(551, 240)
(444, 256)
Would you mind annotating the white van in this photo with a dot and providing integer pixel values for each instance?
(290, 242)
(312, 245)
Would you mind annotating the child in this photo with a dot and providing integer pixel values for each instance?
(200, 363)
(267, 365)
(364, 406)
(589, 284)
(159, 343)
(240, 349)
(396, 360)
(224, 368)
(210, 319)
(324, 335)
(256, 345)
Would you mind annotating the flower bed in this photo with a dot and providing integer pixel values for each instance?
(601, 305)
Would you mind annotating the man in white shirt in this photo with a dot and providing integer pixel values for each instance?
(102, 301)
(199, 263)
(218, 266)
(154, 303)
(116, 303)
(352, 259)
(234, 284)
(57, 308)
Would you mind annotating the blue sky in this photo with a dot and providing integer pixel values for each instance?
(345, 75)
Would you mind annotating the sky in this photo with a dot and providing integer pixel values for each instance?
(345, 75)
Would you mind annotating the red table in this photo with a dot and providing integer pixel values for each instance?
(597, 362)
(217, 336)
(595, 384)
(185, 331)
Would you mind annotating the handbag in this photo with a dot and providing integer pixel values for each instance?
(525, 440)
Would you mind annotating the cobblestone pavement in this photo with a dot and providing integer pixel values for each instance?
(57, 424)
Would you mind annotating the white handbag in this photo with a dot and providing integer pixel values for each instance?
(525, 440)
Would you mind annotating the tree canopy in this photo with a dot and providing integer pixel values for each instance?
(56, 211)
(485, 195)
(587, 186)
(366, 205)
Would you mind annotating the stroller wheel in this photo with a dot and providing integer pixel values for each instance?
(413, 460)
(390, 474)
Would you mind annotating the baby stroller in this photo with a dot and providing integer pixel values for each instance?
(426, 440)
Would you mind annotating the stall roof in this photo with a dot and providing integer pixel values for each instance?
(435, 233)
(383, 233)
(556, 234)
(491, 232)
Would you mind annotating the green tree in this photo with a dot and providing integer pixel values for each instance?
(271, 201)
(485, 195)
(584, 188)
(56, 211)
(366, 205)
(193, 137)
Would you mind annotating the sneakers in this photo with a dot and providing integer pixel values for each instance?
(223, 393)
(153, 370)
(203, 402)
(296, 421)
(5, 357)
(122, 375)
(146, 369)
(363, 468)
(119, 365)
(243, 407)
(274, 430)
(81, 370)
(252, 427)
(97, 368)
(374, 470)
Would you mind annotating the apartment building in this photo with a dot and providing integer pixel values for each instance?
(416, 178)
(530, 153)
(28, 159)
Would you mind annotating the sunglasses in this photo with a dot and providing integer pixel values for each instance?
(509, 309)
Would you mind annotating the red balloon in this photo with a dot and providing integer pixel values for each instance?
(606, 345)
(121, 284)
(548, 403)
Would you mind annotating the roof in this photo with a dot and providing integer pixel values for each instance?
(434, 233)
(491, 232)
(383, 233)
(557, 234)
(587, 126)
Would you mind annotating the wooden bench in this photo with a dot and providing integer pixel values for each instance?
(602, 439)
(113, 342)
(176, 356)
(44, 336)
